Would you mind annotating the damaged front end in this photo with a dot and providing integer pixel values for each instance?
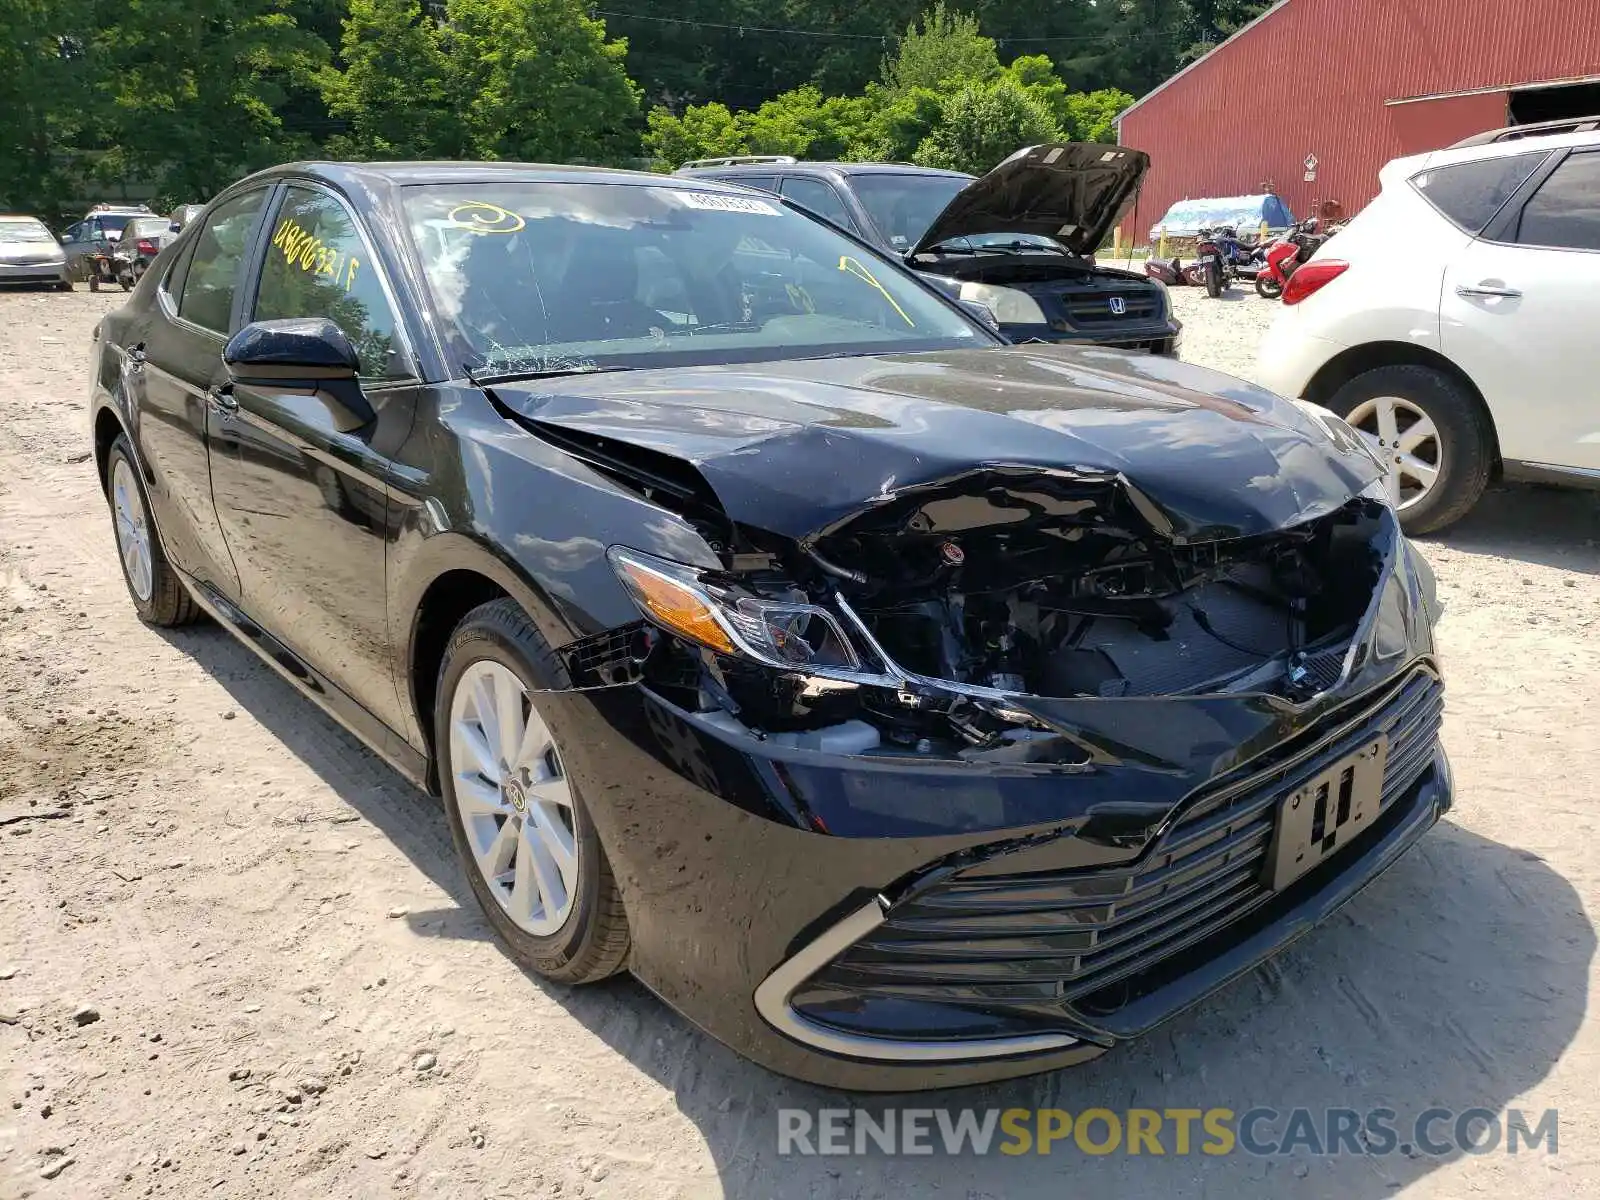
(1035, 724)
(949, 620)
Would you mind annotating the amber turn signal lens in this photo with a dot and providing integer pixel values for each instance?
(674, 605)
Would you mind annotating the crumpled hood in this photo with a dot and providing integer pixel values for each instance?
(1073, 192)
(797, 447)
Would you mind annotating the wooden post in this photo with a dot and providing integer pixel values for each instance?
(1264, 231)
(1116, 242)
(1163, 241)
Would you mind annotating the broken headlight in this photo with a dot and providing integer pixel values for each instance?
(777, 632)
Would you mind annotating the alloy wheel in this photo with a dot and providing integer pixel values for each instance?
(133, 530)
(514, 798)
(1406, 440)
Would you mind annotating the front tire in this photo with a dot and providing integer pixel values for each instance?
(1268, 289)
(1214, 280)
(157, 593)
(1432, 434)
(530, 851)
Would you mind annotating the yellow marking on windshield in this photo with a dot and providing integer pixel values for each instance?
(800, 298)
(852, 266)
(478, 217)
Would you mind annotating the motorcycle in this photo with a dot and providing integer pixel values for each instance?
(1210, 268)
(1295, 247)
(108, 264)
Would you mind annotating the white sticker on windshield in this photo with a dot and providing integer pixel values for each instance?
(713, 202)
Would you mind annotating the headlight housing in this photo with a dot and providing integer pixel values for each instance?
(1009, 306)
(787, 633)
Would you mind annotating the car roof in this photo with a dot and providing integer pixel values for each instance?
(403, 174)
(823, 168)
(1486, 150)
(5, 216)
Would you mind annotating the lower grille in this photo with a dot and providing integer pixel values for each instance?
(1045, 938)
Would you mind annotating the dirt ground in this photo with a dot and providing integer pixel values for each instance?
(236, 960)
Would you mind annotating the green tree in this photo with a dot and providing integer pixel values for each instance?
(896, 123)
(536, 80)
(1091, 116)
(42, 99)
(984, 123)
(704, 131)
(804, 123)
(395, 89)
(944, 49)
(190, 90)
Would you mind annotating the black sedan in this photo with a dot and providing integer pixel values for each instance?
(905, 708)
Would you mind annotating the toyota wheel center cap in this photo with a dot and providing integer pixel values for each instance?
(517, 797)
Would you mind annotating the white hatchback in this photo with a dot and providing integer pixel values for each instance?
(1456, 321)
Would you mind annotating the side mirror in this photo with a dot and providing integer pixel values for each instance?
(293, 350)
(301, 354)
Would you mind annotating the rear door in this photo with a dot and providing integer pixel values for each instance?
(298, 475)
(181, 342)
(1517, 314)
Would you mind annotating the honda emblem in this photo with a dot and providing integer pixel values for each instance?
(1119, 306)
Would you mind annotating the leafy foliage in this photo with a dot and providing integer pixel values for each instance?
(982, 124)
(105, 98)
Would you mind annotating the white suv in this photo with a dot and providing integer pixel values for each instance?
(1456, 321)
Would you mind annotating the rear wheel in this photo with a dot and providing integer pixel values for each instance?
(1213, 279)
(158, 594)
(1435, 440)
(94, 282)
(1268, 289)
(519, 823)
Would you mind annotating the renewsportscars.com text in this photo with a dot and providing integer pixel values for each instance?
(1166, 1131)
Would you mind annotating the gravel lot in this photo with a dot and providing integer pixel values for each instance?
(235, 960)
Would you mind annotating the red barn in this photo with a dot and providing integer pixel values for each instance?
(1313, 97)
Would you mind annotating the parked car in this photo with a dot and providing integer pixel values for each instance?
(29, 253)
(906, 708)
(185, 213)
(101, 227)
(1020, 240)
(1450, 320)
(142, 239)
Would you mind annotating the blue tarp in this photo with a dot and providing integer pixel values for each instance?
(1245, 213)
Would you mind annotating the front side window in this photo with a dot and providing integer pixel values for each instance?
(820, 198)
(533, 277)
(317, 265)
(218, 262)
(1469, 194)
(1565, 211)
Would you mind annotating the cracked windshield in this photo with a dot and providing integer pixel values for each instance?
(568, 278)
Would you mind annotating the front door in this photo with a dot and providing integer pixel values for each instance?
(298, 484)
(1518, 314)
(185, 333)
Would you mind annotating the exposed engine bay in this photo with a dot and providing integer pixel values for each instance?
(921, 623)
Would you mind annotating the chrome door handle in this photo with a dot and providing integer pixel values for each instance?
(1485, 289)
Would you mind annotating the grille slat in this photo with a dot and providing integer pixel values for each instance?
(1094, 308)
(1081, 930)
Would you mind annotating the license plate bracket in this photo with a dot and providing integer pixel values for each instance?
(1326, 812)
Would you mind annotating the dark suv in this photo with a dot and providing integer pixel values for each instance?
(1019, 240)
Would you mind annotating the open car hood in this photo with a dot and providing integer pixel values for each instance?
(1072, 192)
(799, 447)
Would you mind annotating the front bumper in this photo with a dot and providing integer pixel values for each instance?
(1165, 339)
(48, 272)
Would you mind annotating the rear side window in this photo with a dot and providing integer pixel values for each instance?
(820, 198)
(1565, 211)
(767, 183)
(1470, 193)
(218, 262)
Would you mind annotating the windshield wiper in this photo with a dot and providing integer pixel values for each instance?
(723, 327)
(478, 380)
